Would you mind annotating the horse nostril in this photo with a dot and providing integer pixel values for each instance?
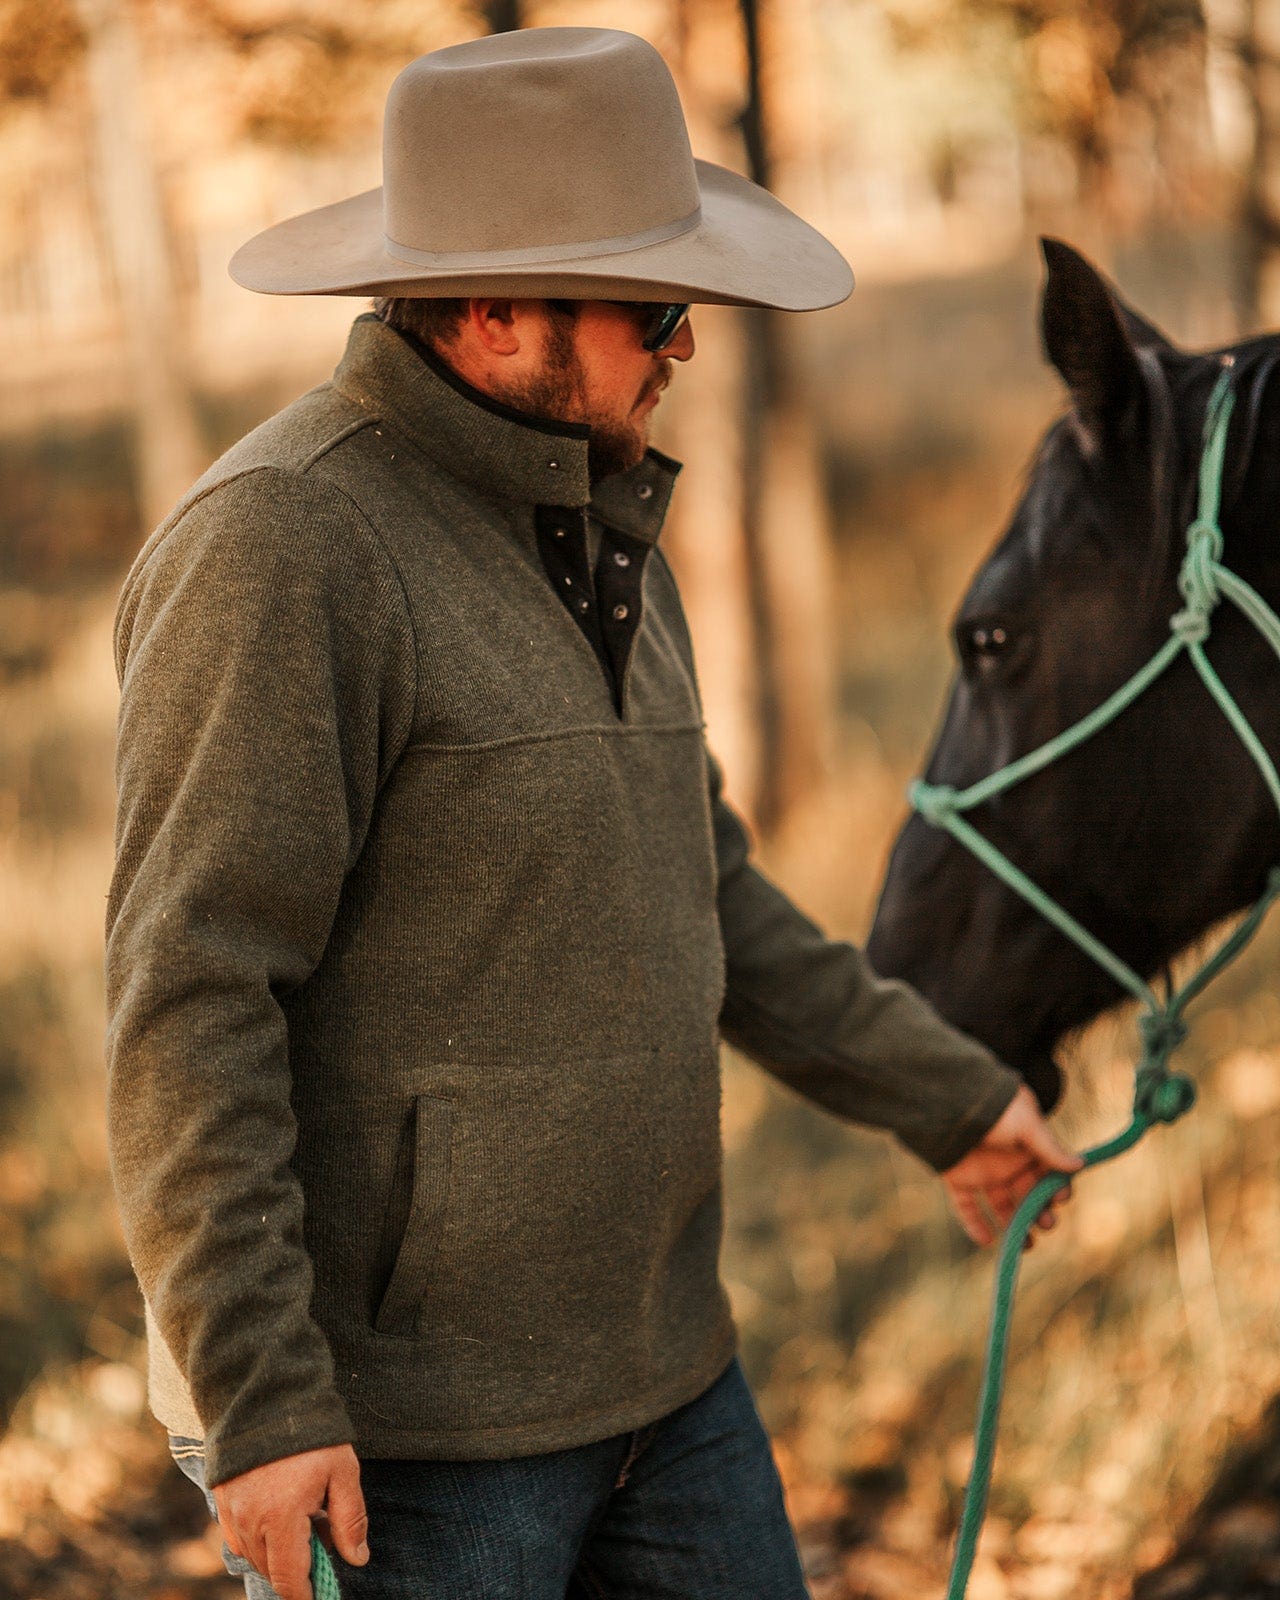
(982, 643)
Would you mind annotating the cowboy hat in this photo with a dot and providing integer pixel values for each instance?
(548, 162)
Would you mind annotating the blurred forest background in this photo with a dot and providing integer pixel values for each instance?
(844, 474)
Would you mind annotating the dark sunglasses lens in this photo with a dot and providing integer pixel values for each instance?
(666, 324)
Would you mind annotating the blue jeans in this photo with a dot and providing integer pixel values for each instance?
(686, 1508)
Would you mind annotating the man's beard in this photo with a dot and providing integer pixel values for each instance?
(558, 392)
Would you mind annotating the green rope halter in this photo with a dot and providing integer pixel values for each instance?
(1159, 1095)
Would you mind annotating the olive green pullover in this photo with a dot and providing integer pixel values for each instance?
(420, 948)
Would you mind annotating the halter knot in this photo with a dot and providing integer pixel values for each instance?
(1165, 1096)
(934, 801)
(1198, 581)
(1161, 1033)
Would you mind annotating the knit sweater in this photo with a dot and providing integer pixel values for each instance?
(420, 949)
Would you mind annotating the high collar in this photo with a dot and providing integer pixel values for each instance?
(504, 452)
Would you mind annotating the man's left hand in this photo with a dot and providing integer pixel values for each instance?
(999, 1173)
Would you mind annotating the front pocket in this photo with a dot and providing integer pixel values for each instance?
(431, 1143)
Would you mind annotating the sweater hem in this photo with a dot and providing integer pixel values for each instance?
(379, 1440)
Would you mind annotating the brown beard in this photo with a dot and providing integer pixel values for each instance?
(558, 393)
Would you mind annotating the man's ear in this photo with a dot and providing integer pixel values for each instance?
(1090, 337)
(495, 324)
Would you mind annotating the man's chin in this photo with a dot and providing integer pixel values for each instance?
(608, 453)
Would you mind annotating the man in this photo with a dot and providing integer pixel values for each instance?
(429, 913)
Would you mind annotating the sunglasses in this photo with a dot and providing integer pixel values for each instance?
(663, 320)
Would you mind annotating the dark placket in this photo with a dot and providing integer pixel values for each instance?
(606, 604)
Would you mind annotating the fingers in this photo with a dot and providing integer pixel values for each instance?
(1036, 1136)
(348, 1521)
(1056, 1157)
(971, 1215)
(272, 1549)
(1005, 1191)
(986, 1209)
(267, 1515)
(1007, 1202)
(288, 1558)
(236, 1541)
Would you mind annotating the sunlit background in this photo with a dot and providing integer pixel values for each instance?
(844, 473)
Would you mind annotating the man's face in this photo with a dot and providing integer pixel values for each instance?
(593, 368)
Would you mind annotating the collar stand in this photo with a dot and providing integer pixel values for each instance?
(492, 446)
(635, 501)
(473, 437)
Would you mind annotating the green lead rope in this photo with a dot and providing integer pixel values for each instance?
(1159, 1095)
(324, 1581)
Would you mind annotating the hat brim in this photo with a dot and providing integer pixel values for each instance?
(748, 249)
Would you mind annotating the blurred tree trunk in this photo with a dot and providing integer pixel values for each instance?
(705, 538)
(750, 535)
(502, 16)
(1260, 51)
(761, 382)
(170, 451)
(787, 522)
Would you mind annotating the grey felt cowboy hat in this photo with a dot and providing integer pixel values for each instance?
(548, 162)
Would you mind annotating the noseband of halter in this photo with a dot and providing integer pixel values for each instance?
(1159, 1095)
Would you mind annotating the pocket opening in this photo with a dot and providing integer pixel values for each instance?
(400, 1308)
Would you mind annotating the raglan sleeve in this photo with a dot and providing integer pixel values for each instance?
(813, 1012)
(266, 661)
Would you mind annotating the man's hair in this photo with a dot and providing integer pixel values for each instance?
(435, 322)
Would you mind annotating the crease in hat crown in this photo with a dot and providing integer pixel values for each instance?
(447, 194)
(544, 162)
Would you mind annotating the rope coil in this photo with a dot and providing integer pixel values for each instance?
(1160, 1096)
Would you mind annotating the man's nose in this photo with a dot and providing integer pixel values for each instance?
(682, 346)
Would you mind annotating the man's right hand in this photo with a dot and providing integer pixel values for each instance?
(266, 1513)
(1001, 1171)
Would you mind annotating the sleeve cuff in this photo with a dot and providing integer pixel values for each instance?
(976, 1122)
(322, 1424)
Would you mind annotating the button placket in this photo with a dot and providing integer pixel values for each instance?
(619, 579)
(562, 543)
(605, 605)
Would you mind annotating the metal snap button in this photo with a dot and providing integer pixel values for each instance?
(644, 490)
(620, 613)
(583, 605)
(622, 558)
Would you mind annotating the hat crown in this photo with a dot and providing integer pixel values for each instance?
(543, 139)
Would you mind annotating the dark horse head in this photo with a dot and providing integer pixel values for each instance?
(1161, 825)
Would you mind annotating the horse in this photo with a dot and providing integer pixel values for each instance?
(1160, 826)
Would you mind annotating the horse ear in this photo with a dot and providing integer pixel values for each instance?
(1141, 332)
(1090, 336)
